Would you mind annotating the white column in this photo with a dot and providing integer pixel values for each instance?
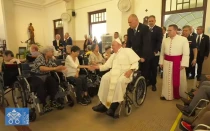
(71, 24)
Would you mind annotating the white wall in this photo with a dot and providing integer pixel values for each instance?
(207, 25)
(82, 7)
(2, 28)
(52, 13)
(8, 8)
(154, 7)
(24, 16)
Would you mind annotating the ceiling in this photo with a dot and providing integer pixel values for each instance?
(194, 19)
(37, 2)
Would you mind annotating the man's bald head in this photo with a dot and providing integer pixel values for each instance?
(133, 21)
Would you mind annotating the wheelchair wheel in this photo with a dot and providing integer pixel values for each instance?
(3, 101)
(70, 101)
(19, 95)
(139, 92)
(128, 109)
(32, 115)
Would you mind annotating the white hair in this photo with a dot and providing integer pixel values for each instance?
(68, 46)
(46, 49)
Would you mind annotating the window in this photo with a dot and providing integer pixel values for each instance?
(170, 7)
(97, 23)
(173, 5)
(97, 17)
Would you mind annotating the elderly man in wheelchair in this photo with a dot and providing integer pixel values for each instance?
(113, 84)
(199, 102)
(42, 82)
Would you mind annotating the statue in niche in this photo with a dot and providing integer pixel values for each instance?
(31, 32)
(145, 20)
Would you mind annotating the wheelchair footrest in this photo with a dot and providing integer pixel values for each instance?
(60, 95)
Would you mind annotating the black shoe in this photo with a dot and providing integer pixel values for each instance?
(154, 88)
(57, 105)
(162, 98)
(112, 109)
(87, 99)
(82, 102)
(47, 108)
(110, 112)
(185, 110)
(186, 101)
(99, 108)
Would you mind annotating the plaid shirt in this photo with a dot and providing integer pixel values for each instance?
(41, 61)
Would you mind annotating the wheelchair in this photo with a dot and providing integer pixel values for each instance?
(22, 94)
(135, 94)
(8, 80)
(207, 128)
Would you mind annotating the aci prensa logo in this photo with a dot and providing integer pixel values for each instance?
(16, 116)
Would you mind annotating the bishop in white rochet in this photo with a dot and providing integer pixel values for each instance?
(174, 58)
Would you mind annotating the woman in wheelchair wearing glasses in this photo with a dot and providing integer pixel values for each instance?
(73, 66)
(42, 82)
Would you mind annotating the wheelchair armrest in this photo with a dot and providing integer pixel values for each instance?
(202, 126)
(202, 100)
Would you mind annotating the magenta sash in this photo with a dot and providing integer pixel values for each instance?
(176, 73)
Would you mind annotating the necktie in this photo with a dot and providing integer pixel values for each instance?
(134, 31)
(151, 29)
(198, 42)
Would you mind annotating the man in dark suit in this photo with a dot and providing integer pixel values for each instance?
(192, 33)
(58, 43)
(202, 41)
(165, 34)
(139, 39)
(156, 40)
(67, 39)
(193, 51)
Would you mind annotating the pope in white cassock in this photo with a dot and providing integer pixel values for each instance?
(123, 62)
(174, 58)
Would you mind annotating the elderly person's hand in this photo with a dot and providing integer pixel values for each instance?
(14, 60)
(91, 68)
(60, 68)
(128, 73)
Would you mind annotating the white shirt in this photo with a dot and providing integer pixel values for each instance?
(201, 35)
(71, 65)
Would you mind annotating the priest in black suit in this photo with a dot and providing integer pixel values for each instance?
(156, 41)
(139, 39)
(202, 41)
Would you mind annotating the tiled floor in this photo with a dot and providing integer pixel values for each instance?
(153, 115)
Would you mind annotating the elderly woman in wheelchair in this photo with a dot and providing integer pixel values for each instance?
(80, 81)
(42, 82)
(123, 62)
(95, 57)
(9, 73)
